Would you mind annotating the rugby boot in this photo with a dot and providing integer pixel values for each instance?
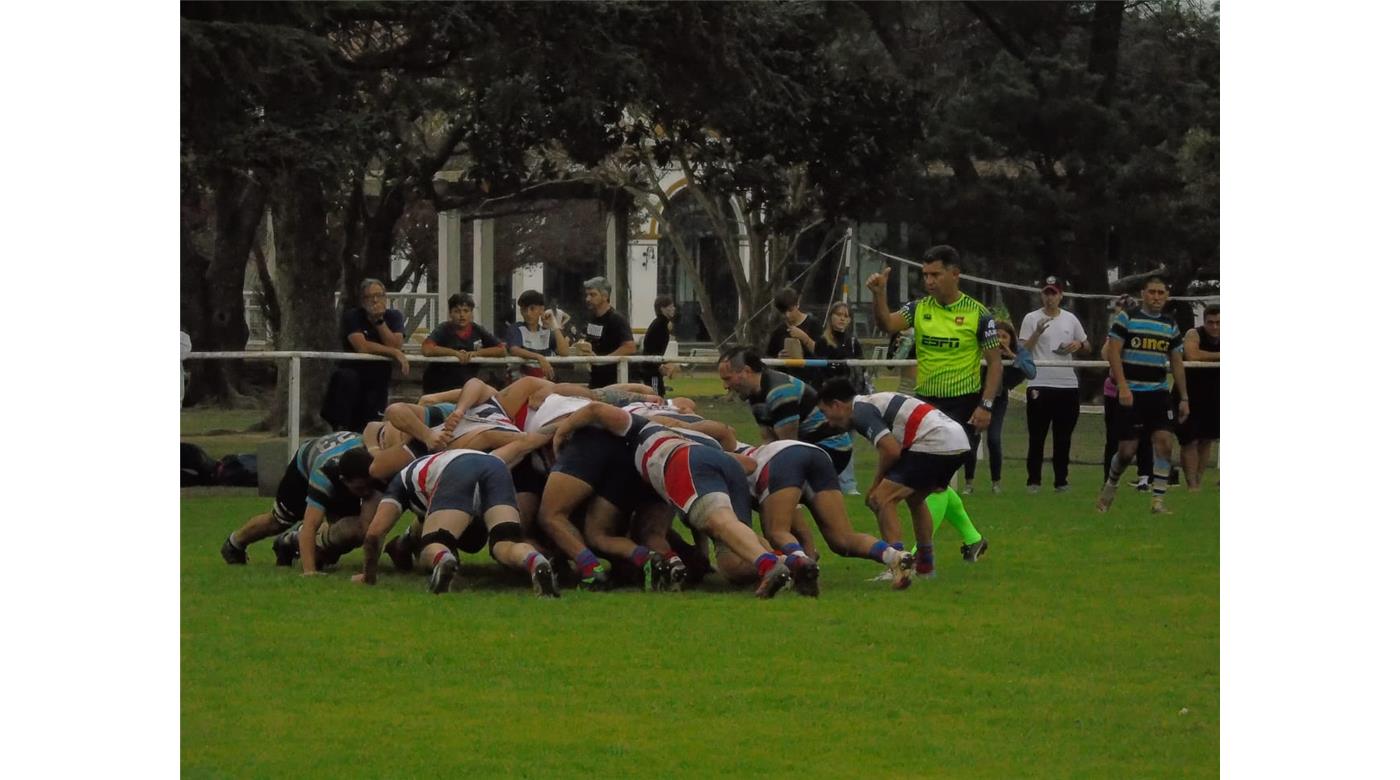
(286, 546)
(775, 580)
(441, 578)
(806, 577)
(399, 552)
(233, 555)
(542, 579)
(901, 572)
(971, 552)
(1106, 496)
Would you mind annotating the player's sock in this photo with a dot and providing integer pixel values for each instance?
(586, 562)
(234, 542)
(765, 562)
(1161, 469)
(640, 555)
(438, 558)
(924, 553)
(898, 546)
(530, 561)
(1116, 469)
(937, 504)
(879, 550)
(792, 548)
(957, 517)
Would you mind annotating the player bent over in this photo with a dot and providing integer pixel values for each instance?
(704, 483)
(920, 450)
(792, 472)
(443, 488)
(319, 480)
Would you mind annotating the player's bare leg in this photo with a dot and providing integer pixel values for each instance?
(562, 495)
(507, 545)
(720, 522)
(829, 510)
(439, 546)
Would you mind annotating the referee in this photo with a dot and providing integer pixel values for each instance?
(953, 332)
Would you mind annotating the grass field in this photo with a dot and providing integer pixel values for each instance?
(1082, 645)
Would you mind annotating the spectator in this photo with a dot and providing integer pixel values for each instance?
(1052, 397)
(536, 336)
(460, 338)
(1112, 415)
(359, 389)
(795, 325)
(1198, 431)
(607, 333)
(655, 342)
(838, 343)
(1022, 368)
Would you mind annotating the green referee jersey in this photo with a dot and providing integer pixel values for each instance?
(948, 343)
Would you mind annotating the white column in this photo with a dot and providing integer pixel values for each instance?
(449, 260)
(484, 271)
(610, 252)
(642, 273)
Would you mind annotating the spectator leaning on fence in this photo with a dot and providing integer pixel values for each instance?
(461, 338)
(1197, 432)
(795, 325)
(607, 333)
(536, 336)
(953, 333)
(359, 389)
(1052, 397)
(655, 342)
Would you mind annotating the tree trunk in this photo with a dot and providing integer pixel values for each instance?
(220, 324)
(308, 272)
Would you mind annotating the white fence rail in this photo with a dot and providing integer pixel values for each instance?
(294, 359)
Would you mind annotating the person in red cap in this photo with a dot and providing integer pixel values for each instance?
(1052, 397)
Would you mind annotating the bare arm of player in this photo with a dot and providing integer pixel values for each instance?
(409, 419)
(888, 451)
(474, 392)
(1113, 353)
(385, 518)
(600, 415)
(389, 462)
(749, 465)
(522, 446)
(306, 538)
(765, 434)
(1183, 407)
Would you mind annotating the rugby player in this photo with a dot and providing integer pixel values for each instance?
(705, 484)
(920, 450)
(793, 472)
(327, 478)
(1143, 345)
(784, 407)
(443, 489)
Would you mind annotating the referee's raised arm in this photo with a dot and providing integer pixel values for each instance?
(890, 322)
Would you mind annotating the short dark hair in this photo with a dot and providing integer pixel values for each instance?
(743, 356)
(530, 298)
(785, 299)
(837, 388)
(1213, 308)
(662, 301)
(461, 299)
(1156, 278)
(944, 254)
(355, 464)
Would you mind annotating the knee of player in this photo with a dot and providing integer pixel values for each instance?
(505, 532)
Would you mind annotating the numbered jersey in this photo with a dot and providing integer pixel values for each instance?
(318, 460)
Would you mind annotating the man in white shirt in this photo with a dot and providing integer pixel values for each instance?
(1052, 397)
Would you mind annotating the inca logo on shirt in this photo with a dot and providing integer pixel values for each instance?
(1149, 343)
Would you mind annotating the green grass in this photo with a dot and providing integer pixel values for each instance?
(1070, 650)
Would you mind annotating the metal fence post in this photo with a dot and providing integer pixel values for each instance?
(622, 371)
(293, 408)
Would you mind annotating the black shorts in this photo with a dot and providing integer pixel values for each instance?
(958, 407)
(1152, 410)
(529, 476)
(921, 471)
(473, 484)
(290, 504)
(603, 461)
(1203, 424)
(839, 458)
